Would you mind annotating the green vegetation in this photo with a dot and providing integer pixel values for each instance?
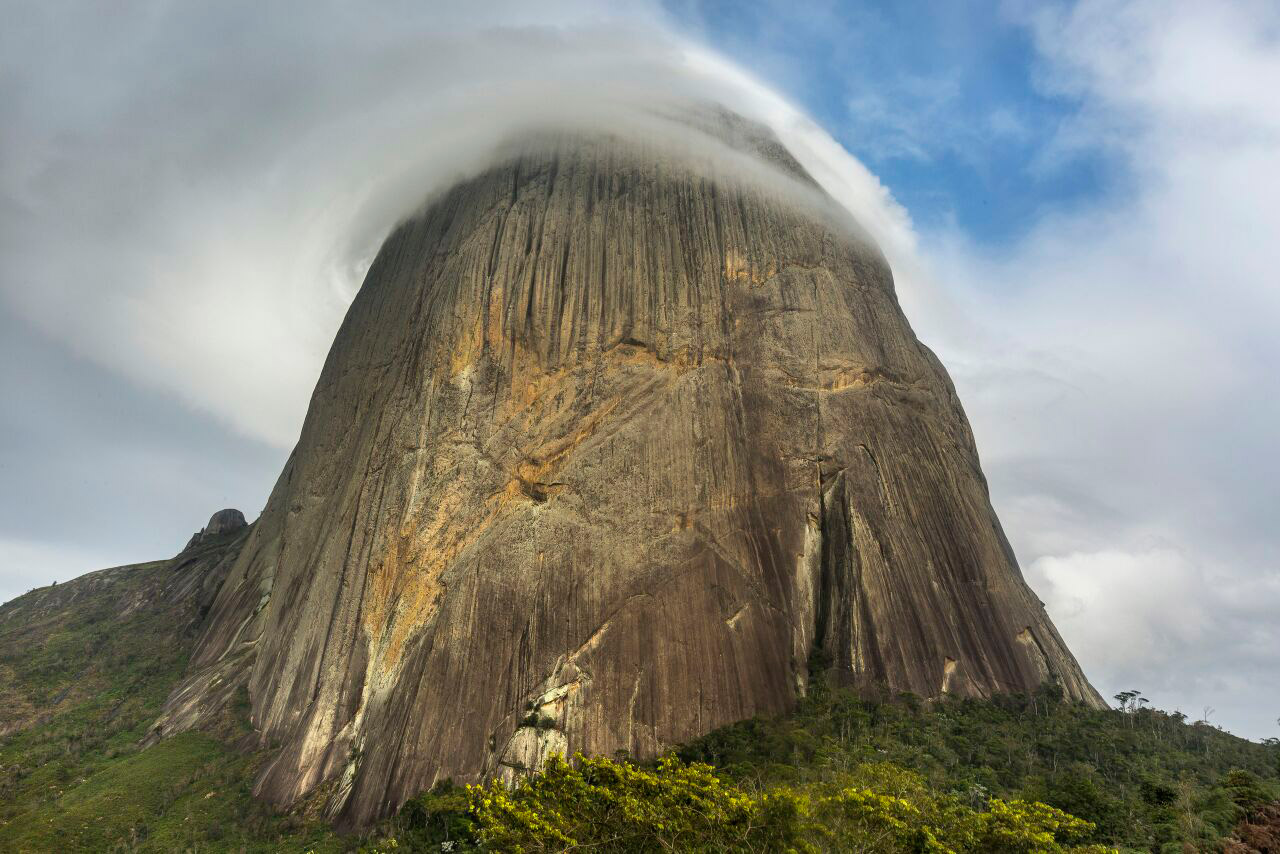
(84, 670)
(83, 650)
(83, 675)
(617, 807)
(188, 793)
(1145, 779)
(847, 773)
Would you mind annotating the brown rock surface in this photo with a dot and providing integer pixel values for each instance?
(220, 523)
(616, 437)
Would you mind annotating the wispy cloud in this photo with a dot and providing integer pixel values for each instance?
(189, 197)
(212, 199)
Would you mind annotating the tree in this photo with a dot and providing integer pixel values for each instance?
(1131, 701)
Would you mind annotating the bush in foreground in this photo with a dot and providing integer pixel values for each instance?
(606, 806)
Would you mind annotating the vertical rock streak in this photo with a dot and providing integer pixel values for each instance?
(606, 445)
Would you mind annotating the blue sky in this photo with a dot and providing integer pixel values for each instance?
(939, 99)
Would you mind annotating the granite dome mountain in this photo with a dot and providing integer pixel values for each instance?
(617, 439)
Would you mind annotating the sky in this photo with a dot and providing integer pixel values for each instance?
(1080, 201)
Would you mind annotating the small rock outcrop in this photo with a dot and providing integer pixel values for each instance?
(221, 523)
(612, 441)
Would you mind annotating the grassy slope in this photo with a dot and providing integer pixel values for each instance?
(189, 793)
(84, 670)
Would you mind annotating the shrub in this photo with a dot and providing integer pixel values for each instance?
(617, 807)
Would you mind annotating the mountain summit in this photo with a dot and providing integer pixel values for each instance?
(617, 440)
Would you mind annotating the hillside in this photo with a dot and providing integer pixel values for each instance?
(88, 664)
(85, 668)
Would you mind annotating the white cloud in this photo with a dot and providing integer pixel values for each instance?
(1111, 599)
(197, 216)
(1120, 362)
(1158, 620)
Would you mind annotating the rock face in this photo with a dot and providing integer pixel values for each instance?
(220, 524)
(224, 522)
(615, 438)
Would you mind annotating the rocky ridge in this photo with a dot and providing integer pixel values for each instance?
(615, 440)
